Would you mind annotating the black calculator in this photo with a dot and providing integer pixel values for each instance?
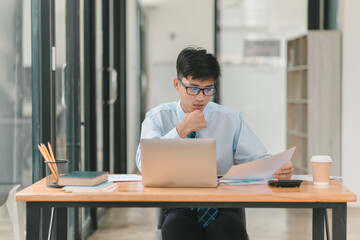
(284, 183)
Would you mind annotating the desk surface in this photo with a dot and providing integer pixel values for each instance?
(135, 192)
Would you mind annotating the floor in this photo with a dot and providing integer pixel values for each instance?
(262, 224)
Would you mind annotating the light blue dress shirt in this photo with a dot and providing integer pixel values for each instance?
(235, 142)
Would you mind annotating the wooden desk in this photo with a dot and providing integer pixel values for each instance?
(133, 194)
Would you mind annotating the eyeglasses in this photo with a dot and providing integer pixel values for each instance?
(195, 91)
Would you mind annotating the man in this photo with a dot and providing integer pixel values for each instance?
(195, 116)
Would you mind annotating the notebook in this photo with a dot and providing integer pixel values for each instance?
(83, 178)
(105, 187)
(178, 162)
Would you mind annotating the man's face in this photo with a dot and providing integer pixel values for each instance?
(190, 103)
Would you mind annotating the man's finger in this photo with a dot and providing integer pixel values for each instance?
(289, 170)
(284, 171)
(282, 176)
(288, 165)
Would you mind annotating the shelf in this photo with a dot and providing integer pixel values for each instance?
(297, 68)
(313, 86)
(297, 101)
(297, 133)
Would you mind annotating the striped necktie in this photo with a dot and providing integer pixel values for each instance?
(204, 215)
(192, 135)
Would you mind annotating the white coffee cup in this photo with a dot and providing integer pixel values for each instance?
(321, 165)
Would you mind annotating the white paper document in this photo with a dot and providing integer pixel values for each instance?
(260, 170)
(309, 177)
(243, 181)
(124, 178)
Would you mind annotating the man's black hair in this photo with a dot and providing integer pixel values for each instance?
(199, 64)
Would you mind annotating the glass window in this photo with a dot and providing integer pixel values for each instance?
(15, 92)
(15, 107)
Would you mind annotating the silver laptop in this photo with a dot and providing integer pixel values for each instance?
(178, 162)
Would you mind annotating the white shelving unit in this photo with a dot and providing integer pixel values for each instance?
(314, 98)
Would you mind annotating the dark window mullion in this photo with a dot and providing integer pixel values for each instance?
(216, 46)
(313, 14)
(43, 89)
(72, 97)
(322, 14)
(120, 145)
(72, 83)
(90, 85)
(105, 85)
(42, 77)
(52, 77)
(90, 104)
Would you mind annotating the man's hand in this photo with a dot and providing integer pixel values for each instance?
(192, 122)
(285, 173)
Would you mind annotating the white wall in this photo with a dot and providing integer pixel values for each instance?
(258, 19)
(259, 93)
(257, 86)
(172, 25)
(349, 22)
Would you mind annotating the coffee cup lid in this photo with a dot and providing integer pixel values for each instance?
(321, 158)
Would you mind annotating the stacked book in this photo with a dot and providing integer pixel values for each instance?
(87, 182)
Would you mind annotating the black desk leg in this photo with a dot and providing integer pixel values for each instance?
(46, 218)
(339, 221)
(318, 224)
(32, 221)
(61, 223)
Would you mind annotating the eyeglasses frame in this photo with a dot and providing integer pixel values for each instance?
(200, 89)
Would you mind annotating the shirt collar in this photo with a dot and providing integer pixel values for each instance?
(180, 112)
(206, 111)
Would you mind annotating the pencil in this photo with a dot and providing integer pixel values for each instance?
(53, 157)
(47, 160)
(50, 159)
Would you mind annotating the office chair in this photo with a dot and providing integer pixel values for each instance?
(159, 215)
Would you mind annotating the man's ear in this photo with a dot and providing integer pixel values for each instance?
(176, 84)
